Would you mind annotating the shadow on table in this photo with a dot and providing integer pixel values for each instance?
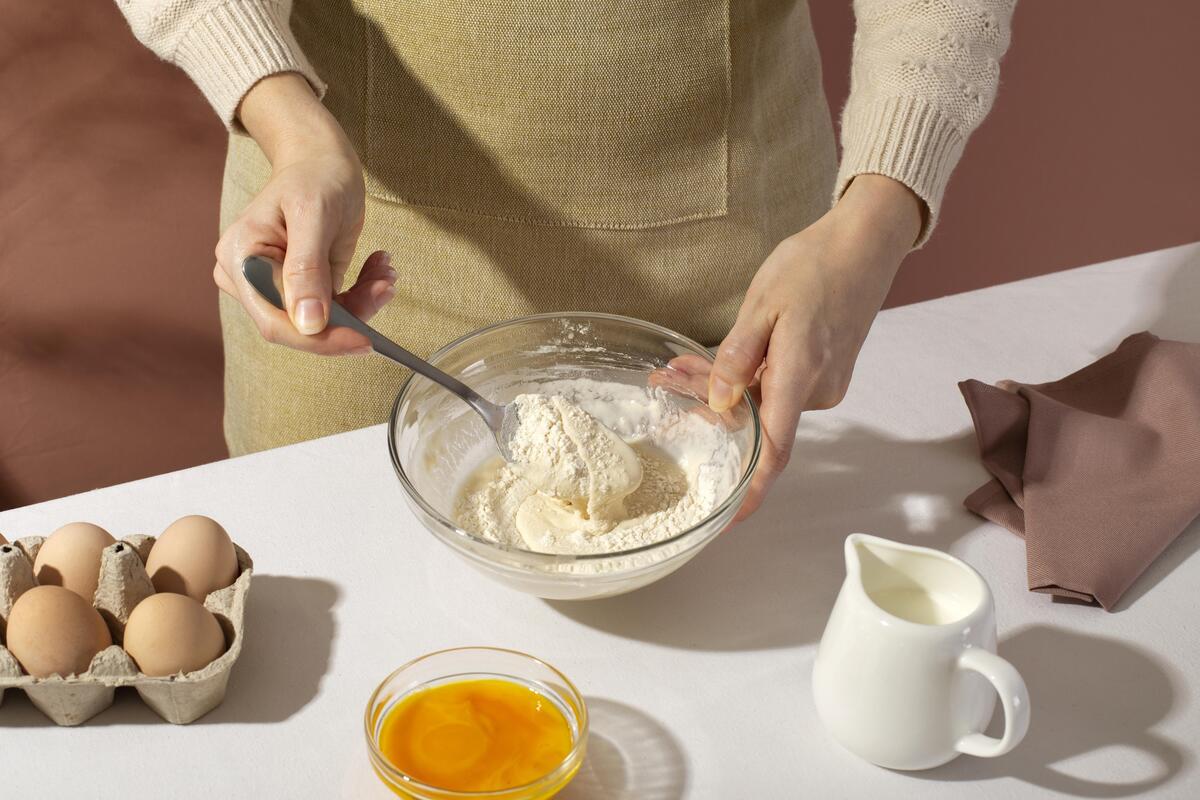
(771, 581)
(1178, 319)
(1086, 693)
(1177, 552)
(290, 629)
(289, 637)
(630, 756)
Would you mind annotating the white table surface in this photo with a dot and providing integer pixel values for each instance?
(698, 685)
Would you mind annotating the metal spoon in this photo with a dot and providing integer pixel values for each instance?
(501, 419)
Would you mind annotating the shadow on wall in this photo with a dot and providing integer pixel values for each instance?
(289, 638)
(1087, 693)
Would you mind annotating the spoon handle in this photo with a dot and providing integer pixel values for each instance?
(260, 273)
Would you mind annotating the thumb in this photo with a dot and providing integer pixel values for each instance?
(307, 281)
(738, 359)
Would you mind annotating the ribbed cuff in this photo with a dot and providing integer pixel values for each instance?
(236, 45)
(904, 138)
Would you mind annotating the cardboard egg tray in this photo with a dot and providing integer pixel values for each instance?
(124, 583)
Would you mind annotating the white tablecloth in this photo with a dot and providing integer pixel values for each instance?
(698, 685)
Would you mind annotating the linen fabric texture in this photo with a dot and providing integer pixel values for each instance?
(665, 217)
(639, 157)
(1098, 471)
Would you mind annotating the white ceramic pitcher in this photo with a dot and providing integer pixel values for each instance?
(905, 671)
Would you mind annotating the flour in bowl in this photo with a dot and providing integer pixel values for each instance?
(579, 467)
(577, 486)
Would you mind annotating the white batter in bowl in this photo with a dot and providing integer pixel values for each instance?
(667, 470)
(696, 465)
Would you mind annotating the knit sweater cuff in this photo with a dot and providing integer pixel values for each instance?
(236, 45)
(904, 138)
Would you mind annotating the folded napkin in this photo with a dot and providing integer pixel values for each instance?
(1099, 471)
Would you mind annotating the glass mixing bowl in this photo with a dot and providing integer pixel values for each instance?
(435, 441)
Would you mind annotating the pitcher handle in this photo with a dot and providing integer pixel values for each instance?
(1013, 696)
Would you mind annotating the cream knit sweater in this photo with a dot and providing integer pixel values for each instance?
(924, 74)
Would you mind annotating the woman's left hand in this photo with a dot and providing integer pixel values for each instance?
(806, 314)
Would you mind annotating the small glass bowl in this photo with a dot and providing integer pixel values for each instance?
(434, 440)
(474, 663)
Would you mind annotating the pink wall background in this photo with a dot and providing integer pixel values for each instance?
(1091, 152)
(110, 359)
(110, 172)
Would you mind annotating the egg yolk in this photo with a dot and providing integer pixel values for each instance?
(475, 735)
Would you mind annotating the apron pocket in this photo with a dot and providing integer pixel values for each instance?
(593, 114)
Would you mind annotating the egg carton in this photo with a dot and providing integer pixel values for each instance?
(124, 583)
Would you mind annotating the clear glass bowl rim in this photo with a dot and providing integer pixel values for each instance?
(406, 780)
(557, 558)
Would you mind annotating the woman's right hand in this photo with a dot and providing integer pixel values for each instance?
(308, 218)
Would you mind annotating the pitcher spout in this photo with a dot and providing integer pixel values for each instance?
(912, 583)
(863, 547)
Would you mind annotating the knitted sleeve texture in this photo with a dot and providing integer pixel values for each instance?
(923, 76)
(225, 46)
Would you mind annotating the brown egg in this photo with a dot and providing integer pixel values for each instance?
(51, 630)
(70, 558)
(2, 539)
(171, 633)
(194, 556)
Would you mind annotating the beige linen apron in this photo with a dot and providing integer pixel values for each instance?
(639, 157)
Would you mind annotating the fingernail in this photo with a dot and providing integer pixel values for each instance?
(721, 396)
(386, 258)
(362, 351)
(310, 316)
(391, 275)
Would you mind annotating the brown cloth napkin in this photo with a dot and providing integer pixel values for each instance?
(1099, 471)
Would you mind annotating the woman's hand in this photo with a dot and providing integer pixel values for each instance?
(806, 315)
(308, 218)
